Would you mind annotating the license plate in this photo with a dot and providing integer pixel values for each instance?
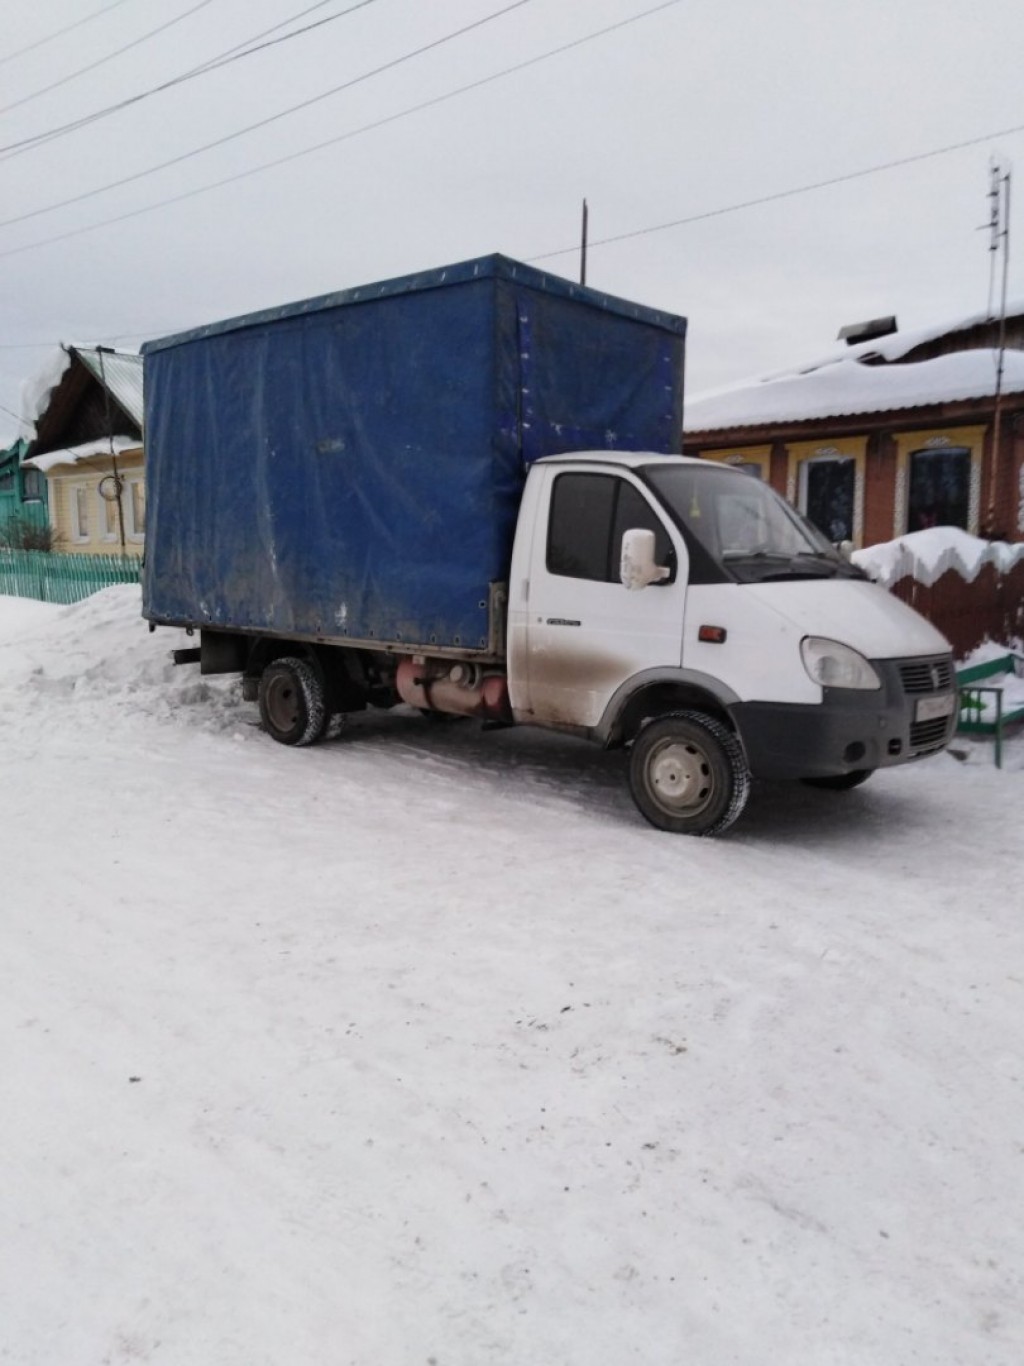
(931, 708)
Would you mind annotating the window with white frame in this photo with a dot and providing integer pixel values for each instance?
(78, 494)
(940, 488)
(108, 517)
(135, 508)
(32, 484)
(827, 494)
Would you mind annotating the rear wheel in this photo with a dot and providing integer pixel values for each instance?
(688, 774)
(841, 782)
(292, 705)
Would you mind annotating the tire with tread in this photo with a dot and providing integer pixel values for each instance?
(293, 709)
(688, 774)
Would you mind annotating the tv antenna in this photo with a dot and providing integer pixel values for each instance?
(999, 246)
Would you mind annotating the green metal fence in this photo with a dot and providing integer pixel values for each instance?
(63, 578)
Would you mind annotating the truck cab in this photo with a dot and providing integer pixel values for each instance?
(684, 608)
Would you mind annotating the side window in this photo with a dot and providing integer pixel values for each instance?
(582, 507)
(589, 514)
(633, 512)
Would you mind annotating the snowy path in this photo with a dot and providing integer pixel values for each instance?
(421, 1047)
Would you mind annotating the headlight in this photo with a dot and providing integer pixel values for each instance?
(836, 666)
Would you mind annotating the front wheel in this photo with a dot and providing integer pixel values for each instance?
(292, 704)
(688, 774)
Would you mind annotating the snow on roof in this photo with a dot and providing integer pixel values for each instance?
(122, 371)
(72, 455)
(926, 555)
(36, 390)
(898, 344)
(846, 387)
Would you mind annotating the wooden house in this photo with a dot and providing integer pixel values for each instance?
(23, 501)
(87, 411)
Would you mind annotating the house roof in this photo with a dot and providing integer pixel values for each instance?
(895, 345)
(122, 371)
(870, 377)
(847, 387)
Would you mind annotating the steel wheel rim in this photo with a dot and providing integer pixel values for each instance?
(282, 703)
(680, 777)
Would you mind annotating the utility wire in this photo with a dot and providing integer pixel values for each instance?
(719, 212)
(59, 33)
(788, 194)
(272, 118)
(232, 54)
(341, 137)
(101, 60)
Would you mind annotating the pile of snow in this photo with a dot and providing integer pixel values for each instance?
(927, 555)
(99, 657)
(420, 1046)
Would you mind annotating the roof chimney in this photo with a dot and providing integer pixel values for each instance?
(853, 333)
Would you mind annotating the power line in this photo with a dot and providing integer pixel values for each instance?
(263, 123)
(788, 194)
(59, 33)
(102, 60)
(341, 137)
(231, 54)
(719, 212)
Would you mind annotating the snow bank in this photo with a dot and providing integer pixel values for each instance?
(19, 615)
(100, 655)
(420, 1046)
(927, 555)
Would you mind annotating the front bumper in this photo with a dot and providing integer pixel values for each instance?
(913, 714)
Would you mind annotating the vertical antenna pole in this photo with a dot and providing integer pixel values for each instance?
(110, 437)
(993, 231)
(583, 246)
(1003, 213)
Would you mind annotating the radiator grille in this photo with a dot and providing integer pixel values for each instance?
(927, 675)
(929, 735)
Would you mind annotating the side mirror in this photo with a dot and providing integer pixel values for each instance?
(846, 549)
(637, 567)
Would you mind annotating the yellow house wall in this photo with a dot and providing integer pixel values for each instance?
(62, 480)
(761, 456)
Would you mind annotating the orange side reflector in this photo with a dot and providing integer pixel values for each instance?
(714, 635)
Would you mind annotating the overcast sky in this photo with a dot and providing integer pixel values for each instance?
(678, 111)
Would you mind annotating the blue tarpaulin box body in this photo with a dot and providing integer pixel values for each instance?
(350, 468)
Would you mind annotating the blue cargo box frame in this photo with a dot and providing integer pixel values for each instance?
(350, 468)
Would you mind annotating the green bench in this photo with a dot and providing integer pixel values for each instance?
(981, 717)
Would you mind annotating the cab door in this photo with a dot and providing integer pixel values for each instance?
(582, 633)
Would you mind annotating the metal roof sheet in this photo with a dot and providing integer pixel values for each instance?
(122, 371)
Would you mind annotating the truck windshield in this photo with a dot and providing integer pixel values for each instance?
(744, 526)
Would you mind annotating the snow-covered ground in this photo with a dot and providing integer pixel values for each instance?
(421, 1047)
